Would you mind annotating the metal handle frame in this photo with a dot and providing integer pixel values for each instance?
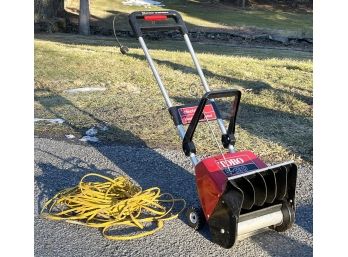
(177, 17)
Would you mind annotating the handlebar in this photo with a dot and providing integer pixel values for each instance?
(187, 144)
(156, 16)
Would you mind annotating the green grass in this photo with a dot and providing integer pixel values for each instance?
(275, 118)
(203, 15)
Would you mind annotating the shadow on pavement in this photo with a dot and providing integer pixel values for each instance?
(68, 174)
(282, 245)
(304, 217)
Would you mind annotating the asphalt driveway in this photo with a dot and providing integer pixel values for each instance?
(61, 164)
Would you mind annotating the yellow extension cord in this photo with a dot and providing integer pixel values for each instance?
(115, 202)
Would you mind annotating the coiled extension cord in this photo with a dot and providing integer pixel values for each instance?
(110, 204)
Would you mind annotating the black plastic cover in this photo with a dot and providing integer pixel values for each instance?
(251, 194)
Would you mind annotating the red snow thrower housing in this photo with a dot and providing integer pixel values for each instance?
(239, 194)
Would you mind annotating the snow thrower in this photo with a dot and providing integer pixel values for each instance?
(239, 194)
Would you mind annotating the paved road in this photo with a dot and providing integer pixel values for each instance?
(60, 164)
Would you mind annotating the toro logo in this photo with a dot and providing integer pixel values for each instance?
(230, 162)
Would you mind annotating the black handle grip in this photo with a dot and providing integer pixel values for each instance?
(153, 16)
(187, 143)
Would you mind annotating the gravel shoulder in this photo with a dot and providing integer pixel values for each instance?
(60, 164)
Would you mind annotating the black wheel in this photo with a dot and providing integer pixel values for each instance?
(288, 218)
(195, 217)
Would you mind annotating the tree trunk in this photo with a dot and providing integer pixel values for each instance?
(84, 17)
(47, 9)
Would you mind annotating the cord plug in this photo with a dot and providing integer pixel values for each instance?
(124, 49)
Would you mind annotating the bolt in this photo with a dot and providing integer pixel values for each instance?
(222, 231)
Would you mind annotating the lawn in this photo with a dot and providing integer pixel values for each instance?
(204, 15)
(275, 117)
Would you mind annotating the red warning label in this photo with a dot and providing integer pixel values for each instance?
(186, 113)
